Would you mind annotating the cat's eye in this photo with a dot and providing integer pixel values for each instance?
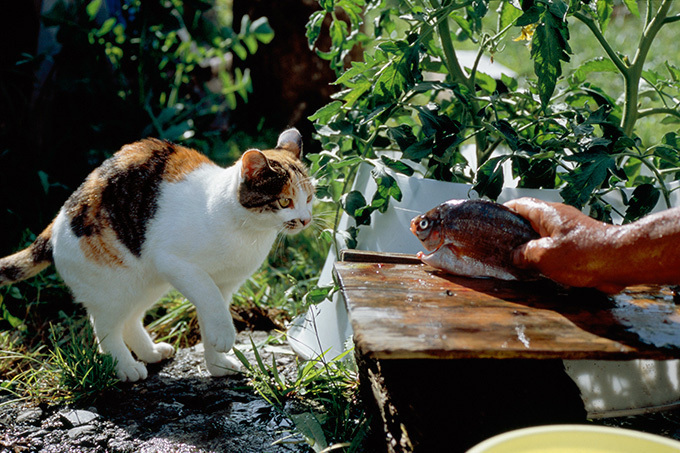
(423, 224)
(285, 202)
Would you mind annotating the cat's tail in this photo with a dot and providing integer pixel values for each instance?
(29, 261)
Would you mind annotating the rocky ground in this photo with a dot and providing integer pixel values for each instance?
(179, 408)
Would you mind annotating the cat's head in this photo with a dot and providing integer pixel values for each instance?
(275, 184)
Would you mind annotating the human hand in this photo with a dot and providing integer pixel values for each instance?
(573, 250)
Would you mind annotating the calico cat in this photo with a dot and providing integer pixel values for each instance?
(157, 215)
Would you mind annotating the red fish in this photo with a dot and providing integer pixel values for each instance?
(474, 238)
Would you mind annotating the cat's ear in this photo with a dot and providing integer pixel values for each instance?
(253, 162)
(291, 141)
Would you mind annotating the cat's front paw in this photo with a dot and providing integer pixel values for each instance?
(222, 341)
(133, 372)
(160, 352)
(222, 365)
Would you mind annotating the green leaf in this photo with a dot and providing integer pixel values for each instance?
(397, 166)
(507, 15)
(325, 113)
(632, 7)
(674, 72)
(318, 294)
(641, 203)
(92, 8)
(584, 179)
(549, 47)
(419, 150)
(605, 8)
(310, 427)
(530, 16)
(352, 202)
(599, 64)
(262, 31)
(485, 82)
(107, 26)
(490, 177)
(314, 27)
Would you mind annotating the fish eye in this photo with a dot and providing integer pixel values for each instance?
(285, 202)
(423, 224)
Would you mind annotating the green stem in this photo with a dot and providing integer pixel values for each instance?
(652, 27)
(658, 111)
(611, 53)
(458, 75)
(659, 176)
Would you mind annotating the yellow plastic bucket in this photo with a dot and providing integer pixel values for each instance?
(576, 439)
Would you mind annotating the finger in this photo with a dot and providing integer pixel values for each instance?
(542, 215)
(530, 254)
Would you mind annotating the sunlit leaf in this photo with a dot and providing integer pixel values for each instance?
(549, 48)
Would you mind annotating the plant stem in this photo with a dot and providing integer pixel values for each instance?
(458, 75)
(652, 27)
(658, 111)
(659, 176)
(611, 53)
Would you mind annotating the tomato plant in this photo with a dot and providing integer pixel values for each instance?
(410, 105)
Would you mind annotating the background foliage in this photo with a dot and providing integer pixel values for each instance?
(108, 73)
(411, 106)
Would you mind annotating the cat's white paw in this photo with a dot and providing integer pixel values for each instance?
(222, 340)
(161, 351)
(222, 365)
(132, 372)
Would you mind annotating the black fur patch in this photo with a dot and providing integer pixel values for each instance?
(125, 197)
(11, 273)
(131, 198)
(42, 250)
(262, 191)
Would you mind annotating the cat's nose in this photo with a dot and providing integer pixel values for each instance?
(305, 222)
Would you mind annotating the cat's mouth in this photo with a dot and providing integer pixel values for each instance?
(295, 226)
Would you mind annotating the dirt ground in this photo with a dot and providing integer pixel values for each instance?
(179, 408)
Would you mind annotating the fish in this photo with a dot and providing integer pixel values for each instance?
(473, 238)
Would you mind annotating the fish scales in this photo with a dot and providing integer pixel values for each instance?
(474, 238)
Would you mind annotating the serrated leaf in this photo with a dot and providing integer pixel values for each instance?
(419, 150)
(530, 16)
(485, 82)
(549, 47)
(584, 179)
(325, 113)
(674, 72)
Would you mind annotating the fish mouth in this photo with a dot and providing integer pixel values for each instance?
(436, 249)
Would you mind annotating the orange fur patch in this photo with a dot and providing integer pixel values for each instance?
(182, 162)
(100, 248)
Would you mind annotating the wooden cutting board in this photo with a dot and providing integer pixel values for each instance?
(402, 309)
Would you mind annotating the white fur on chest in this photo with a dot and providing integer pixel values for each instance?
(200, 221)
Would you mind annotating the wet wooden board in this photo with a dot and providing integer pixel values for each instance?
(400, 309)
